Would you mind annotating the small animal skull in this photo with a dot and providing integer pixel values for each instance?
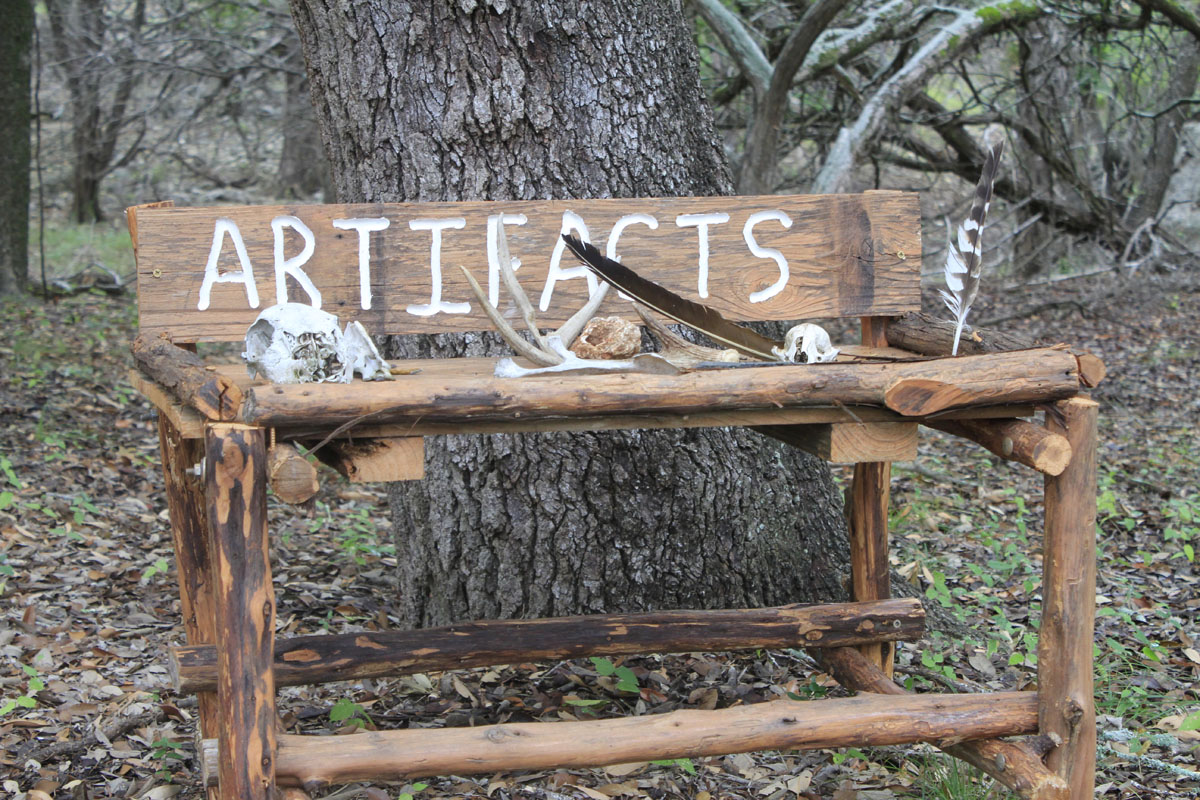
(296, 343)
(813, 343)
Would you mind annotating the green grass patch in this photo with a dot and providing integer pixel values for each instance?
(72, 248)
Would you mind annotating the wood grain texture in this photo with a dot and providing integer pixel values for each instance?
(1015, 440)
(841, 253)
(189, 535)
(1066, 708)
(398, 458)
(293, 478)
(1012, 764)
(870, 493)
(996, 378)
(191, 424)
(236, 485)
(850, 442)
(183, 417)
(315, 659)
(870, 573)
(863, 721)
(923, 333)
(186, 376)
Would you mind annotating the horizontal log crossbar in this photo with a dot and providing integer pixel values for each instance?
(1014, 439)
(909, 388)
(316, 659)
(863, 721)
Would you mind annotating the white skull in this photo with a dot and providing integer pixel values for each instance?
(296, 343)
(812, 342)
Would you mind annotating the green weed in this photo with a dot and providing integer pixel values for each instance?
(347, 712)
(946, 778)
(29, 699)
(626, 681)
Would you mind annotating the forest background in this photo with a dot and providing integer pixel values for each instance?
(1093, 239)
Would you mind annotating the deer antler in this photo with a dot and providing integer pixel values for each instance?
(542, 352)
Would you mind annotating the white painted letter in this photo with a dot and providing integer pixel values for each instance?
(246, 276)
(291, 266)
(702, 221)
(767, 252)
(624, 222)
(436, 304)
(493, 253)
(570, 221)
(364, 227)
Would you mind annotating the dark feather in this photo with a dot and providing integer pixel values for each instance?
(695, 315)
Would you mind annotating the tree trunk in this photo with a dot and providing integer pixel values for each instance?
(16, 39)
(101, 75)
(558, 99)
(303, 168)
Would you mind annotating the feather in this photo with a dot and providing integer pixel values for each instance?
(964, 259)
(700, 317)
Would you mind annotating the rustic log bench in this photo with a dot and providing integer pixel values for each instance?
(205, 273)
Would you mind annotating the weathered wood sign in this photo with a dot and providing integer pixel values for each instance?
(204, 274)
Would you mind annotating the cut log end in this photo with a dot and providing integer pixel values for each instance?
(1091, 369)
(292, 477)
(1015, 440)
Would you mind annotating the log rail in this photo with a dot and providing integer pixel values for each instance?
(912, 389)
(315, 659)
(863, 721)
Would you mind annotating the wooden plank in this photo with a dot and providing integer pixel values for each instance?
(850, 442)
(400, 458)
(236, 487)
(864, 721)
(841, 256)
(1067, 708)
(303, 660)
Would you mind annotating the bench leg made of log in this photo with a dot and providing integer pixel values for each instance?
(870, 574)
(1066, 710)
(236, 489)
(189, 535)
(870, 493)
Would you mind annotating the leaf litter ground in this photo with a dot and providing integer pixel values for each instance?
(89, 599)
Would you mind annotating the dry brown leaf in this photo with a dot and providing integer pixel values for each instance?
(845, 791)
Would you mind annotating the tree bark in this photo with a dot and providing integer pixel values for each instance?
(303, 168)
(560, 99)
(16, 38)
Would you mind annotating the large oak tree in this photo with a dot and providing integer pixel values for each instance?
(559, 99)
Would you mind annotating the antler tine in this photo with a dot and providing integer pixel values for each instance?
(678, 350)
(514, 288)
(574, 326)
(543, 357)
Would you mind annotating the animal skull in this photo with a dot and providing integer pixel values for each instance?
(811, 340)
(296, 343)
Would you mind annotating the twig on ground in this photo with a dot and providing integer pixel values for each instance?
(115, 730)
